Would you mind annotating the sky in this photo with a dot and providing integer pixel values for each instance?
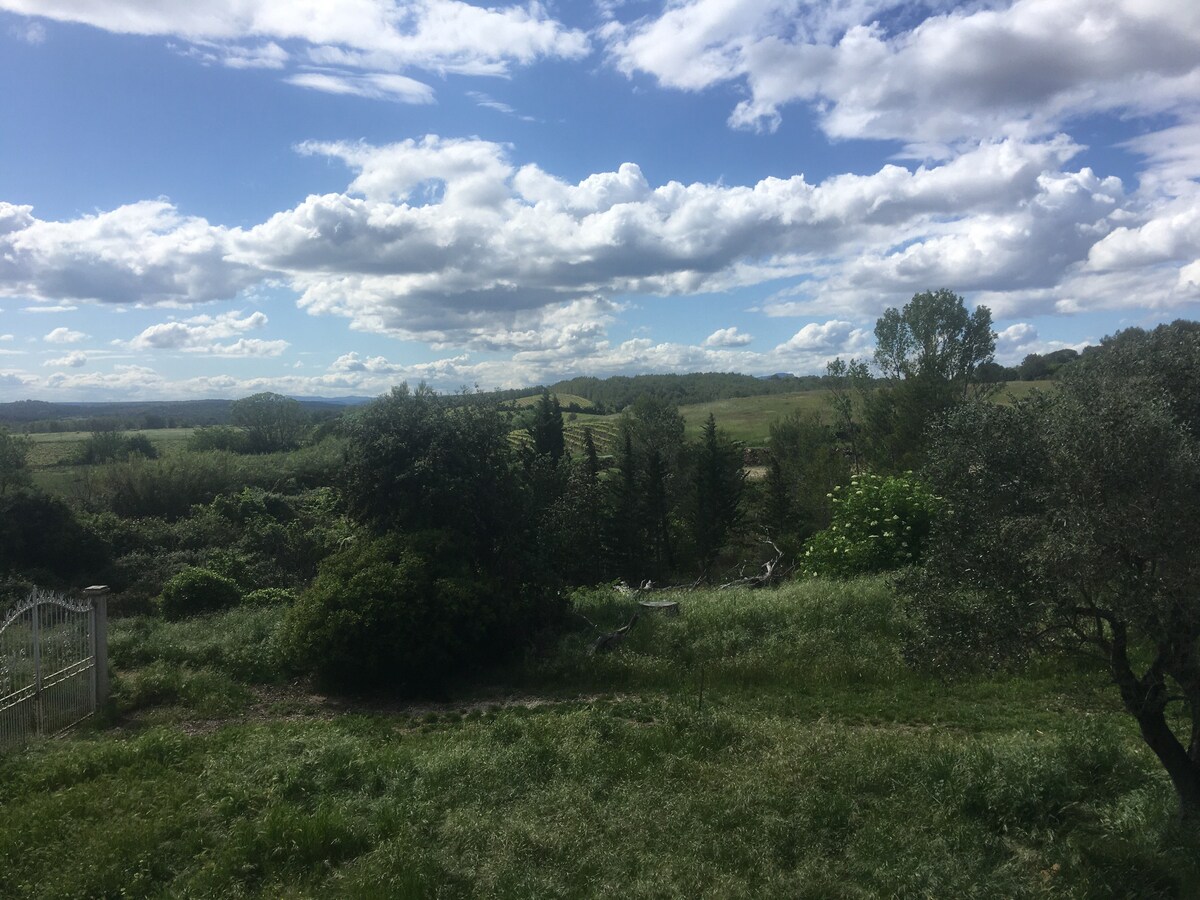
(211, 198)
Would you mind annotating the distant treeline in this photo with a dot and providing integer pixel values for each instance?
(609, 395)
(40, 416)
(1034, 367)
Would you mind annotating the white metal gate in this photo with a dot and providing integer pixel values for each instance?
(53, 664)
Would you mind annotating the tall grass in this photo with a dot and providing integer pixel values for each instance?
(814, 765)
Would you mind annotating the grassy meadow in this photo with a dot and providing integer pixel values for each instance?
(761, 744)
(52, 456)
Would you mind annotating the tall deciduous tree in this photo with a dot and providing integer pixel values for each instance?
(1074, 523)
(929, 353)
(272, 422)
(934, 337)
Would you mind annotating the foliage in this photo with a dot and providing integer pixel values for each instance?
(930, 353)
(1075, 513)
(807, 462)
(880, 523)
(417, 462)
(271, 422)
(383, 614)
(271, 596)
(1040, 366)
(714, 507)
(934, 337)
(218, 437)
(14, 460)
(113, 446)
(40, 536)
(644, 490)
(170, 487)
(546, 430)
(195, 590)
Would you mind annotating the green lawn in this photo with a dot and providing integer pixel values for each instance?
(759, 745)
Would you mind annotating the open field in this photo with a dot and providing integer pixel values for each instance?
(748, 419)
(759, 745)
(56, 449)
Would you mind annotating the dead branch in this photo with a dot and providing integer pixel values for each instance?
(771, 572)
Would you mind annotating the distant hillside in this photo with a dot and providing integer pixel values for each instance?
(42, 416)
(615, 393)
(566, 401)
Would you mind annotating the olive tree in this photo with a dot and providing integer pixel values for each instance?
(1073, 523)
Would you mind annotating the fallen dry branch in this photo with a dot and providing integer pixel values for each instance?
(771, 572)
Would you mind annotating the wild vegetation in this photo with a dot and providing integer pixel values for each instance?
(944, 642)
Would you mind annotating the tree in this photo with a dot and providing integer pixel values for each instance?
(14, 460)
(648, 489)
(546, 432)
(810, 464)
(718, 482)
(418, 461)
(846, 381)
(1073, 524)
(272, 422)
(934, 337)
(930, 353)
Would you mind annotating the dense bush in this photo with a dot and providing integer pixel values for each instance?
(879, 524)
(40, 536)
(114, 446)
(270, 597)
(217, 437)
(196, 590)
(382, 614)
(170, 487)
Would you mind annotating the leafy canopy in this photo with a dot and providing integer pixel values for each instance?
(1074, 524)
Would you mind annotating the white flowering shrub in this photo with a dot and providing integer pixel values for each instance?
(880, 523)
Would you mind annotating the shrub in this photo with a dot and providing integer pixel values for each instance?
(879, 524)
(217, 437)
(380, 614)
(270, 597)
(39, 535)
(113, 446)
(197, 590)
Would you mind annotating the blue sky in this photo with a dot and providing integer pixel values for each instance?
(217, 197)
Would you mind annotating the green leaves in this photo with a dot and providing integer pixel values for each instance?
(879, 524)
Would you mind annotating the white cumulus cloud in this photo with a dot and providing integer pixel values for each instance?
(728, 337)
(204, 334)
(357, 46)
(73, 360)
(883, 70)
(64, 336)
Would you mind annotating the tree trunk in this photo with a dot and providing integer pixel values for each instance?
(1145, 699)
(1183, 771)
